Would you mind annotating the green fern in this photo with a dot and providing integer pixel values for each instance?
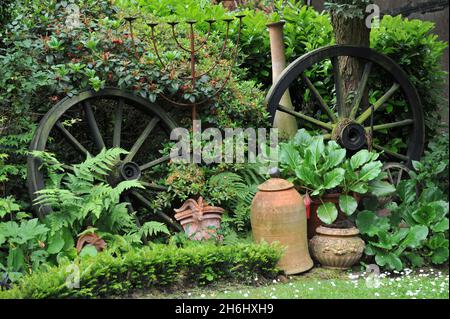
(239, 196)
(83, 197)
(153, 228)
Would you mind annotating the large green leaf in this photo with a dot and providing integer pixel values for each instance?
(334, 178)
(55, 243)
(360, 188)
(334, 158)
(424, 214)
(316, 149)
(415, 259)
(416, 236)
(390, 260)
(308, 176)
(370, 224)
(327, 213)
(381, 188)
(440, 226)
(406, 190)
(88, 251)
(348, 204)
(290, 156)
(16, 259)
(359, 159)
(370, 171)
(440, 256)
(302, 138)
(437, 241)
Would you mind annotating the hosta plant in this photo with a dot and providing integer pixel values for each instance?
(415, 233)
(320, 168)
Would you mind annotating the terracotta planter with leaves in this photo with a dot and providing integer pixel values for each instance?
(313, 220)
(198, 219)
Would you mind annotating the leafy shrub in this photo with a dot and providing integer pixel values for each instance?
(45, 60)
(79, 199)
(433, 168)
(151, 267)
(412, 44)
(319, 168)
(414, 234)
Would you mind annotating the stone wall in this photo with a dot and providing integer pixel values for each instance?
(436, 11)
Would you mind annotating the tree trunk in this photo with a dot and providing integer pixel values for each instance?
(350, 30)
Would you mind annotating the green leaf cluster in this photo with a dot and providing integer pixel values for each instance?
(320, 167)
(414, 234)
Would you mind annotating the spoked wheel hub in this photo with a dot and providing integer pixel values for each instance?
(351, 136)
(124, 171)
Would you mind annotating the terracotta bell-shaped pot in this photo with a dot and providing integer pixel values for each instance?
(278, 214)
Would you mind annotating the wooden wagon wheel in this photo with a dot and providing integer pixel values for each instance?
(353, 130)
(91, 121)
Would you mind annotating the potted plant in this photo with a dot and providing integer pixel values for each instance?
(333, 185)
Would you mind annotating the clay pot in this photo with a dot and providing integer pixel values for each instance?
(337, 248)
(313, 220)
(278, 215)
(90, 239)
(198, 219)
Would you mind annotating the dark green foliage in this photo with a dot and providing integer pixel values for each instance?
(319, 167)
(151, 267)
(416, 231)
(412, 44)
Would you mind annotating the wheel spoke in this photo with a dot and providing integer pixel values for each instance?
(391, 178)
(363, 117)
(324, 125)
(141, 139)
(361, 89)
(340, 103)
(399, 179)
(93, 126)
(147, 204)
(391, 125)
(71, 139)
(319, 99)
(389, 152)
(155, 162)
(155, 187)
(118, 123)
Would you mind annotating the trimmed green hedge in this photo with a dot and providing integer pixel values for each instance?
(150, 267)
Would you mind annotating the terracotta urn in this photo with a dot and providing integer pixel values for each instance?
(278, 215)
(337, 248)
(90, 239)
(198, 219)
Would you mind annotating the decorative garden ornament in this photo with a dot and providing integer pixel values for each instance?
(198, 219)
(286, 123)
(90, 239)
(278, 215)
(337, 248)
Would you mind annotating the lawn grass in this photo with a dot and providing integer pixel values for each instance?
(327, 284)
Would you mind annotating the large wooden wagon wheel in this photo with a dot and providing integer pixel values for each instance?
(91, 121)
(364, 125)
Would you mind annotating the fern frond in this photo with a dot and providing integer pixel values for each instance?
(153, 228)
